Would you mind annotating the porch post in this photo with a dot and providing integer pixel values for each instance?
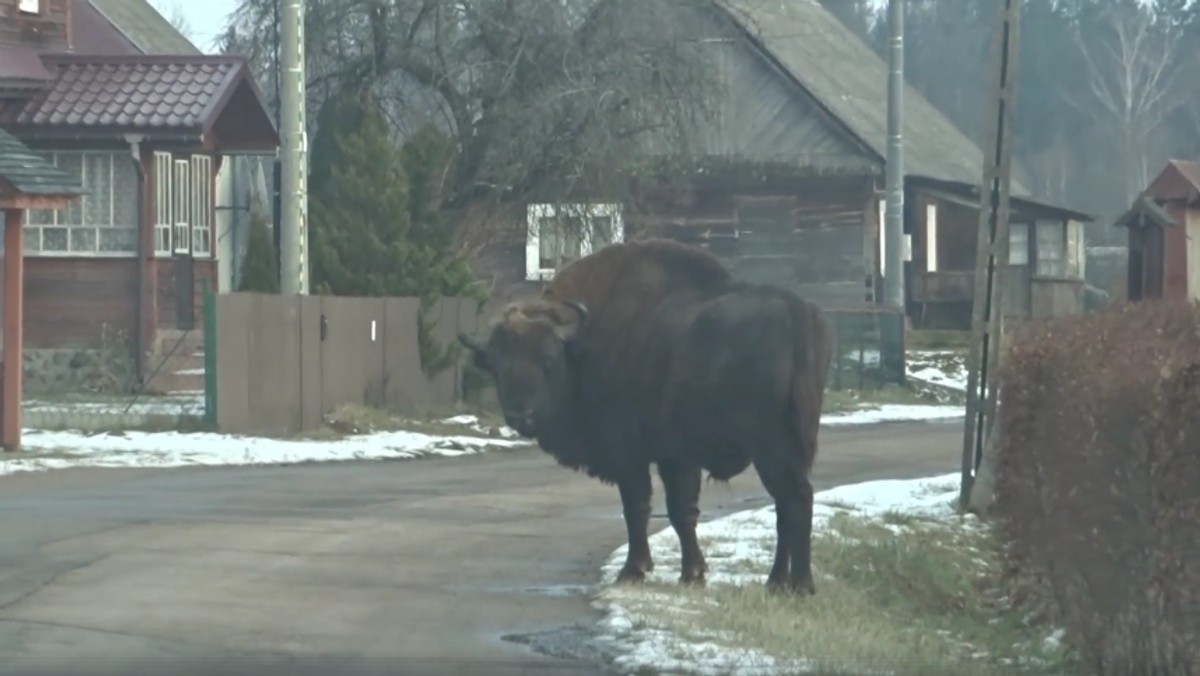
(14, 295)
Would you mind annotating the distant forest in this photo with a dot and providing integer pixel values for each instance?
(1106, 89)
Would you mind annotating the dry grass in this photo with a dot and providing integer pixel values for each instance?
(911, 605)
(840, 401)
(936, 339)
(353, 419)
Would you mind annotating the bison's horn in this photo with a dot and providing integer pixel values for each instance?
(579, 308)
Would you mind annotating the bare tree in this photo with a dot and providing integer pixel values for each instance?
(173, 11)
(1132, 75)
(539, 97)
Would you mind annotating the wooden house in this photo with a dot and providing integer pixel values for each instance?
(790, 187)
(109, 92)
(1164, 235)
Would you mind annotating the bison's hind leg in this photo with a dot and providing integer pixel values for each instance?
(786, 479)
(681, 483)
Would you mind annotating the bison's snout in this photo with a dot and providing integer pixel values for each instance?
(521, 420)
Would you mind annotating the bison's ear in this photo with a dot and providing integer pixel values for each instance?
(477, 349)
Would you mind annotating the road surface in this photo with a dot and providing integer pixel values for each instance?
(356, 568)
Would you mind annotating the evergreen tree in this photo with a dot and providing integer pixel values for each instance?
(260, 271)
(375, 223)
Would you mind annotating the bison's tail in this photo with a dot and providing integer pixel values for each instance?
(812, 350)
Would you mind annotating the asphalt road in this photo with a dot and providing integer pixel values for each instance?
(357, 568)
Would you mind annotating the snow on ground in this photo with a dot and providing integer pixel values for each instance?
(474, 423)
(175, 404)
(733, 545)
(872, 414)
(44, 450)
(947, 368)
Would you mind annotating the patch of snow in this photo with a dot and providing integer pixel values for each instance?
(1054, 641)
(474, 423)
(867, 358)
(947, 368)
(182, 403)
(894, 413)
(190, 372)
(740, 550)
(44, 450)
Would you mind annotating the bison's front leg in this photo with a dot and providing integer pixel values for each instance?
(636, 491)
(682, 486)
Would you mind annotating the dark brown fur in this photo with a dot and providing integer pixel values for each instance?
(674, 363)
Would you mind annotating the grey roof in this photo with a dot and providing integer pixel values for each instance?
(148, 30)
(31, 174)
(843, 74)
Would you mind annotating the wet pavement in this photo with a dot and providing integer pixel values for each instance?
(481, 564)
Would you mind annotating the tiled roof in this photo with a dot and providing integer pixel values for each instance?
(31, 174)
(133, 92)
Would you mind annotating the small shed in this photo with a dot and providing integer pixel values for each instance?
(1163, 227)
(27, 182)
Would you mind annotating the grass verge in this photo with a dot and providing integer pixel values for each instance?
(350, 419)
(912, 393)
(897, 594)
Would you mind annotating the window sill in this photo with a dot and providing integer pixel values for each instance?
(540, 276)
(81, 254)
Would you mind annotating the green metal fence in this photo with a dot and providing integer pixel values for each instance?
(869, 350)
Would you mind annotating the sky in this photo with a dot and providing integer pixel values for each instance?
(205, 20)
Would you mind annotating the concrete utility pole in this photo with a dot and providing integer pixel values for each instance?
(992, 253)
(893, 247)
(293, 236)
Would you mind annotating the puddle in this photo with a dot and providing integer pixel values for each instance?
(560, 591)
(574, 642)
(553, 591)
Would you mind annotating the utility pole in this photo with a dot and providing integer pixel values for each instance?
(992, 252)
(893, 235)
(293, 236)
(276, 166)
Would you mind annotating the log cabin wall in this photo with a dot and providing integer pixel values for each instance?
(813, 236)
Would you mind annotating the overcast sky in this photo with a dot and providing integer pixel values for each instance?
(205, 20)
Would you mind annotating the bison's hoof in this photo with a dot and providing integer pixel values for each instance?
(692, 580)
(792, 587)
(631, 575)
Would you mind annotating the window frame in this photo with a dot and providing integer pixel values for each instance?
(35, 231)
(535, 213)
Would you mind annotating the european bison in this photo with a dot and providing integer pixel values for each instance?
(649, 352)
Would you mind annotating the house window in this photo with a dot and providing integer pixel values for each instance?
(162, 203)
(202, 205)
(1076, 250)
(559, 233)
(30, 6)
(1018, 244)
(181, 207)
(102, 222)
(931, 238)
(1051, 250)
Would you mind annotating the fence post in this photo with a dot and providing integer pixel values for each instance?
(210, 357)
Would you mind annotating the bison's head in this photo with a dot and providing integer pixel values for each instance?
(526, 353)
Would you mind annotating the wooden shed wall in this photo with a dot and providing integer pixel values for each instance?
(73, 301)
(817, 238)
